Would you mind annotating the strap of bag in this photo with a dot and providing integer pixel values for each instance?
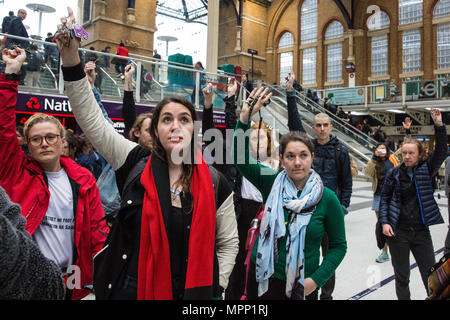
(250, 250)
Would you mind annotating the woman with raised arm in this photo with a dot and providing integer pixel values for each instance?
(298, 211)
(175, 235)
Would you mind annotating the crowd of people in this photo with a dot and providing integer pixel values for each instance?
(162, 215)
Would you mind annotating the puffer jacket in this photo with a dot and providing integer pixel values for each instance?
(422, 173)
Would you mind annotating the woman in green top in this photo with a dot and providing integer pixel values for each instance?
(298, 211)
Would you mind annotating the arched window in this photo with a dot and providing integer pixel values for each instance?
(335, 30)
(285, 47)
(442, 9)
(378, 21)
(286, 41)
(379, 44)
(410, 11)
(309, 22)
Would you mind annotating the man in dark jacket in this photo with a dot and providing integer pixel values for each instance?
(332, 163)
(408, 207)
(6, 21)
(16, 28)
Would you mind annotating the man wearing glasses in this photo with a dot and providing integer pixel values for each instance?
(59, 199)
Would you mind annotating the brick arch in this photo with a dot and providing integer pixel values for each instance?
(271, 39)
(361, 15)
(281, 34)
(430, 8)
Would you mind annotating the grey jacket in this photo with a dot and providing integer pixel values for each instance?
(25, 274)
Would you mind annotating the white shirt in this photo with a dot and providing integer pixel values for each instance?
(54, 236)
(249, 191)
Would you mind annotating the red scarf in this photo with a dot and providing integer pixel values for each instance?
(154, 276)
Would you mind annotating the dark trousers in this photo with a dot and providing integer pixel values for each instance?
(276, 291)
(328, 288)
(421, 246)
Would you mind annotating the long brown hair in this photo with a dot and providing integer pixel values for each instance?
(158, 150)
(379, 166)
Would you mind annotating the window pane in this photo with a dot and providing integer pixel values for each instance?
(411, 51)
(309, 66)
(379, 20)
(286, 63)
(86, 10)
(334, 65)
(309, 22)
(442, 9)
(286, 41)
(334, 30)
(380, 56)
(410, 11)
(443, 46)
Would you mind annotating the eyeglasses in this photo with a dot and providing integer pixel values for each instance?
(50, 138)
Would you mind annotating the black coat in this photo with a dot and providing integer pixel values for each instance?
(117, 263)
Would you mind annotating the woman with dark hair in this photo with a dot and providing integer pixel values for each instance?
(382, 161)
(408, 207)
(298, 211)
(175, 234)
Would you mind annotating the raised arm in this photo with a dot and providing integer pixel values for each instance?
(294, 121)
(129, 106)
(110, 144)
(248, 167)
(12, 157)
(89, 69)
(440, 151)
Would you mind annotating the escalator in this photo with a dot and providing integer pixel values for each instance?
(276, 115)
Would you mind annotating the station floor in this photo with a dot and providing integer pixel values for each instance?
(359, 276)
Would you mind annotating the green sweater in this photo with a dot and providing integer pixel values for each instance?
(327, 218)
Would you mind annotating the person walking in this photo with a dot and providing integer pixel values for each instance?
(120, 62)
(298, 211)
(175, 236)
(408, 207)
(376, 169)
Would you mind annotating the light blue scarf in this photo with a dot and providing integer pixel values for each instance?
(273, 226)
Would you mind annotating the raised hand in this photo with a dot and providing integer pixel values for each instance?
(436, 115)
(208, 96)
(89, 69)
(290, 78)
(128, 77)
(14, 58)
(68, 51)
(407, 123)
(257, 98)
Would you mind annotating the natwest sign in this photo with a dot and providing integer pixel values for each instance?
(58, 106)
